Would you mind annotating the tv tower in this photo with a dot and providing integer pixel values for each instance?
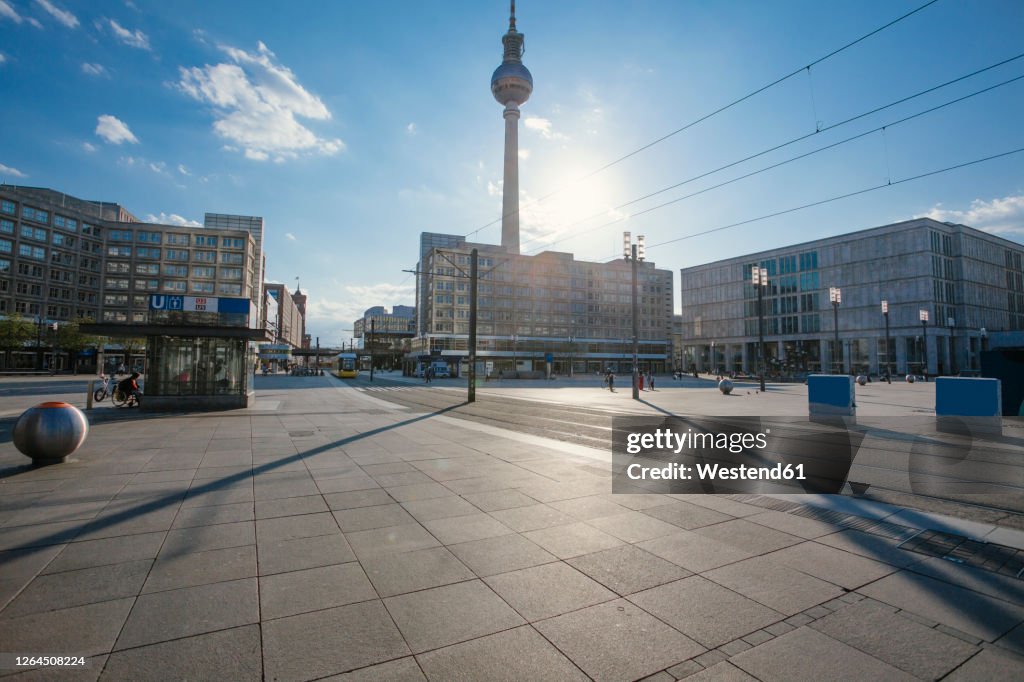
(511, 85)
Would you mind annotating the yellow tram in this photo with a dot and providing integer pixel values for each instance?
(346, 366)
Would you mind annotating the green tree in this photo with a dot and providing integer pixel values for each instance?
(70, 337)
(14, 332)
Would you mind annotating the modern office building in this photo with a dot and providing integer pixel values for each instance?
(531, 308)
(397, 325)
(63, 258)
(285, 321)
(962, 283)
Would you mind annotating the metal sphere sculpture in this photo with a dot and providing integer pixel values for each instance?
(725, 386)
(910, 378)
(49, 432)
(862, 380)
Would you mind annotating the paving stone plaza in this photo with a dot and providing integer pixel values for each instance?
(332, 533)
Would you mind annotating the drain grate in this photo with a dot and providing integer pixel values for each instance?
(300, 434)
(984, 555)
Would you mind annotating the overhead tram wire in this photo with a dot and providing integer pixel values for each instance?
(764, 169)
(705, 117)
(799, 138)
(866, 190)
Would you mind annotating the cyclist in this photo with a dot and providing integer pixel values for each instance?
(129, 387)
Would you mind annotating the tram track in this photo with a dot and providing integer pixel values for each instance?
(593, 428)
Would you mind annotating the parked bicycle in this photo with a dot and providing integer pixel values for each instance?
(107, 386)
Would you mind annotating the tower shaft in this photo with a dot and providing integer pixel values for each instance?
(510, 189)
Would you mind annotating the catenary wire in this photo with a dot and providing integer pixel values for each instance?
(792, 141)
(831, 199)
(705, 117)
(833, 145)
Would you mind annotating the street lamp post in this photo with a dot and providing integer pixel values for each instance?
(835, 296)
(951, 323)
(923, 315)
(888, 346)
(634, 253)
(760, 280)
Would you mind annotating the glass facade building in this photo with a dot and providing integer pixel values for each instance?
(969, 281)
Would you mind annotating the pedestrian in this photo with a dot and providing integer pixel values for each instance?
(650, 381)
(611, 382)
(640, 379)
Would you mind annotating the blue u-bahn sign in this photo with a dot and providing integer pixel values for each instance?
(207, 304)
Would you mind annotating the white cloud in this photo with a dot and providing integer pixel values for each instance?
(542, 126)
(7, 12)
(494, 189)
(7, 170)
(524, 153)
(35, 22)
(159, 167)
(256, 102)
(290, 236)
(334, 313)
(411, 129)
(3, 58)
(63, 16)
(89, 147)
(114, 130)
(93, 69)
(183, 170)
(998, 216)
(136, 38)
(170, 219)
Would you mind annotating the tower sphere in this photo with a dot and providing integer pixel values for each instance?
(511, 82)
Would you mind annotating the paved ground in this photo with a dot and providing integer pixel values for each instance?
(330, 532)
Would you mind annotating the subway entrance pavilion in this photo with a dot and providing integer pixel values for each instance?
(199, 351)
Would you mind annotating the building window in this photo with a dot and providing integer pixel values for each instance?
(8, 207)
(120, 235)
(231, 273)
(35, 214)
(231, 258)
(6, 246)
(145, 252)
(204, 272)
(147, 269)
(111, 283)
(202, 287)
(147, 284)
(7, 226)
(232, 243)
(175, 285)
(177, 254)
(115, 316)
(29, 232)
(118, 267)
(5, 266)
(177, 239)
(204, 240)
(150, 237)
(230, 289)
(205, 256)
(115, 299)
(119, 251)
(31, 251)
(175, 270)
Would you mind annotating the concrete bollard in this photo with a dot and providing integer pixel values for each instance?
(725, 386)
(49, 432)
(88, 395)
(968, 405)
(830, 396)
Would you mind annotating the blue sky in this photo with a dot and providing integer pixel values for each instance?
(351, 127)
